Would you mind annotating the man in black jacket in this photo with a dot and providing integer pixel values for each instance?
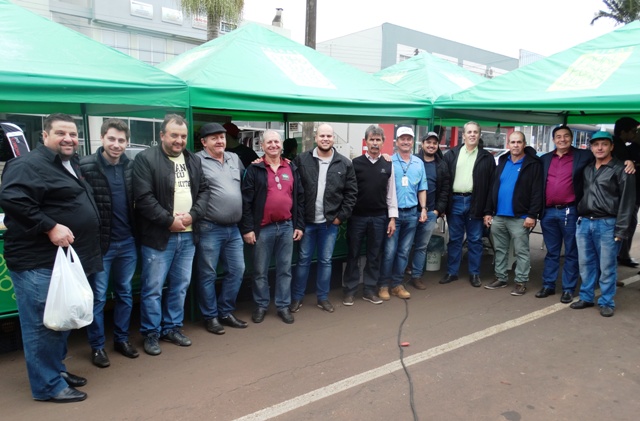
(47, 203)
(513, 206)
(171, 195)
(471, 169)
(272, 219)
(439, 182)
(109, 172)
(604, 217)
(330, 190)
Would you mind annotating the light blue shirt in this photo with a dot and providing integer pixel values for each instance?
(416, 177)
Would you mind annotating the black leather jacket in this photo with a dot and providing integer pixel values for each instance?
(609, 192)
(153, 191)
(341, 189)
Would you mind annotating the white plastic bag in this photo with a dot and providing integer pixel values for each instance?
(70, 298)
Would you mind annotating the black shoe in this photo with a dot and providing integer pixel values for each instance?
(286, 316)
(68, 395)
(606, 311)
(151, 345)
(475, 281)
(630, 262)
(214, 326)
(326, 305)
(448, 278)
(231, 321)
(176, 337)
(545, 292)
(126, 349)
(566, 298)
(258, 315)
(579, 305)
(99, 358)
(295, 305)
(73, 380)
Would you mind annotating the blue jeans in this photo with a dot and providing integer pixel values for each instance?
(558, 226)
(321, 238)
(224, 242)
(374, 228)
(597, 254)
(44, 349)
(120, 263)
(420, 243)
(160, 316)
(460, 221)
(397, 249)
(274, 239)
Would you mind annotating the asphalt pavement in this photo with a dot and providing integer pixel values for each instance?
(473, 354)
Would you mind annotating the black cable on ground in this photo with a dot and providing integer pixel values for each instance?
(406, 371)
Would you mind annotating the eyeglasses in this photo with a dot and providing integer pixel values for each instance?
(278, 183)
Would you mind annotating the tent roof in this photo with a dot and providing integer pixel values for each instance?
(593, 82)
(428, 76)
(261, 73)
(46, 67)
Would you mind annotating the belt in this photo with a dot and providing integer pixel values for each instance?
(461, 194)
(408, 209)
(564, 206)
(220, 225)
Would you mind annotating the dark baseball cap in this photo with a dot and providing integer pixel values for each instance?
(627, 123)
(211, 128)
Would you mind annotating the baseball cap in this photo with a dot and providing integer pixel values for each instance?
(601, 135)
(430, 135)
(211, 128)
(232, 129)
(627, 123)
(404, 130)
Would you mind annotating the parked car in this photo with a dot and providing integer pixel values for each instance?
(133, 149)
(496, 152)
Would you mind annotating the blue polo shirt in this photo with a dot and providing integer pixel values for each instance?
(508, 180)
(414, 171)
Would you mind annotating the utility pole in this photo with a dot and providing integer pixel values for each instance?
(310, 28)
(309, 41)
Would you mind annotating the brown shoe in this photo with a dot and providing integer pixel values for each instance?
(384, 294)
(400, 292)
(418, 284)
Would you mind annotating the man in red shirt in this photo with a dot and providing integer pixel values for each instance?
(272, 219)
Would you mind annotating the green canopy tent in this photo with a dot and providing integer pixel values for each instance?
(253, 73)
(594, 82)
(46, 68)
(428, 76)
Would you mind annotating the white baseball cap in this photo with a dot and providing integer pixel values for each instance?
(404, 130)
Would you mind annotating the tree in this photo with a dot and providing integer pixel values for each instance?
(622, 11)
(216, 11)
